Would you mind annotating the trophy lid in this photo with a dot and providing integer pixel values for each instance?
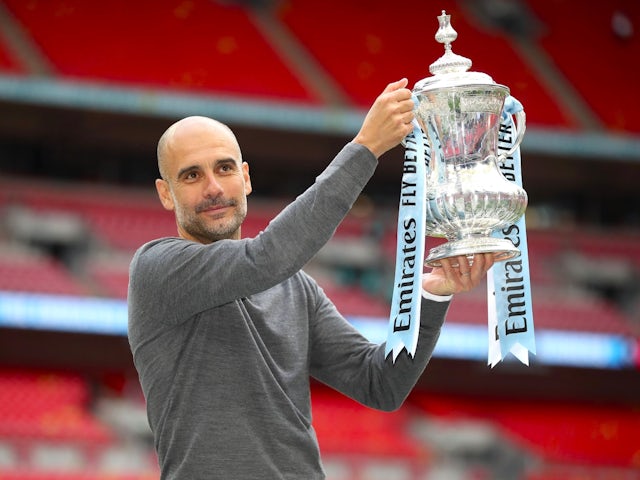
(450, 70)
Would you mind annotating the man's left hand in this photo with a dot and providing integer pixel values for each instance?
(457, 274)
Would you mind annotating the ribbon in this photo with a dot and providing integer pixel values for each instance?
(510, 312)
(404, 317)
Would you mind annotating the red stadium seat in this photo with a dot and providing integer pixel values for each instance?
(46, 405)
(353, 300)
(198, 46)
(602, 72)
(8, 62)
(583, 314)
(33, 273)
(113, 280)
(373, 43)
(571, 433)
(347, 427)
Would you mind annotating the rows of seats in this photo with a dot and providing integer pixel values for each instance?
(578, 472)
(47, 406)
(379, 42)
(554, 312)
(8, 61)
(123, 220)
(41, 413)
(49, 431)
(583, 314)
(566, 270)
(613, 44)
(559, 440)
(347, 427)
(112, 278)
(205, 46)
(35, 474)
(36, 273)
(603, 245)
(353, 300)
(560, 433)
(195, 46)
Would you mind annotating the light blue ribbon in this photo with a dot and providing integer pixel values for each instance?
(404, 318)
(511, 283)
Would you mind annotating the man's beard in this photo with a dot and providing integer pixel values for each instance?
(213, 230)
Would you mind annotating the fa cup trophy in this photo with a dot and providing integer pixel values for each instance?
(467, 196)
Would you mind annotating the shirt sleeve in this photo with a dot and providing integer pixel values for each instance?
(196, 277)
(343, 359)
(436, 298)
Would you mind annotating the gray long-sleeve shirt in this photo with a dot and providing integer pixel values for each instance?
(226, 336)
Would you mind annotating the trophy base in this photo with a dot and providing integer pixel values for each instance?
(501, 248)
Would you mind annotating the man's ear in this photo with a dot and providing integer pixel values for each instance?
(165, 195)
(247, 179)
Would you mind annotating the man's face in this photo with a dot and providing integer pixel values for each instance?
(205, 181)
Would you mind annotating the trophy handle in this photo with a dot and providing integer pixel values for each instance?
(521, 126)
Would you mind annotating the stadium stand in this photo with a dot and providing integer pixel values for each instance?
(564, 433)
(609, 30)
(37, 274)
(77, 37)
(7, 62)
(373, 434)
(375, 48)
(46, 424)
(362, 33)
(109, 213)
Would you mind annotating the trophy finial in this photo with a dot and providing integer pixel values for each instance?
(445, 34)
(449, 62)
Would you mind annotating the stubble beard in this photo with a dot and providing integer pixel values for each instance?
(207, 230)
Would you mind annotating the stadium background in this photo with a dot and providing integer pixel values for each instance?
(86, 89)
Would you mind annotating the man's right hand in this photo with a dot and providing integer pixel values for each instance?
(388, 120)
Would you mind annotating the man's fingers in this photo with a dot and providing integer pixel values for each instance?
(481, 264)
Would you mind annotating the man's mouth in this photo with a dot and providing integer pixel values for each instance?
(214, 206)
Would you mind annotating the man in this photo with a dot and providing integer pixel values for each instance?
(226, 331)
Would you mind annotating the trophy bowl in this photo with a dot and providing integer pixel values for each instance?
(467, 196)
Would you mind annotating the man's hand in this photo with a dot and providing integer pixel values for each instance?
(456, 275)
(388, 120)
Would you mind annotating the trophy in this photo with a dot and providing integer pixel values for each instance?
(467, 195)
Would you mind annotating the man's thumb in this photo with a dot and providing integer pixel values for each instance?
(403, 82)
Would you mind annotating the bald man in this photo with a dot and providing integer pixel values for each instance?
(226, 332)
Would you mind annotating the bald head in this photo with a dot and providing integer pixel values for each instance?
(204, 180)
(189, 129)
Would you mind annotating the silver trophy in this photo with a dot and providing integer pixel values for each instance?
(468, 197)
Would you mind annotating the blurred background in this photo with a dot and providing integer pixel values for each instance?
(87, 88)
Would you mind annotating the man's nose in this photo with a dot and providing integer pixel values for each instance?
(213, 187)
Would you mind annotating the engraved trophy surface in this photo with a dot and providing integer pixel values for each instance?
(468, 197)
